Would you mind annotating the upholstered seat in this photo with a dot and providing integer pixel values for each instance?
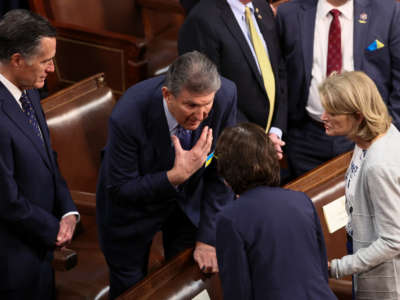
(127, 40)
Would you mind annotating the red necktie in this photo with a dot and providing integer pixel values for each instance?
(334, 61)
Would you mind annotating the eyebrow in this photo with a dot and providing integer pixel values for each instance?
(190, 101)
(47, 60)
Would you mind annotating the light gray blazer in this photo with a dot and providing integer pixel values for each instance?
(376, 223)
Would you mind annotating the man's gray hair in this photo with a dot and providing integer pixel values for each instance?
(193, 72)
(21, 32)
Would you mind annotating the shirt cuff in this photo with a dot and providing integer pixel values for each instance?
(78, 216)
(277, 131)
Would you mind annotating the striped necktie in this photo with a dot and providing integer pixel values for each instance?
(185, 137)
(27, 107)
(264, 63)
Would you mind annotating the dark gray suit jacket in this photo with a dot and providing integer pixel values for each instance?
(212, 29)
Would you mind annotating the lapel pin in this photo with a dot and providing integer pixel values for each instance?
(363, 18)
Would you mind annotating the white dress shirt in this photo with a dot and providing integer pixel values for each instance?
(172, 122)
(12, 88)
(238, 10)
(323, 21)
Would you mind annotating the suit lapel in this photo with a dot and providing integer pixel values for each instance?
(307, 27)
(42, 123)
(158, 131)
(230, 21)
(265, 21)
(15, 114)
(360, 31)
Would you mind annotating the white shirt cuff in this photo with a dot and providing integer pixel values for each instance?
(78, 216)
(277, 131)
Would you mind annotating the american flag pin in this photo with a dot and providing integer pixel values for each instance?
(363, 17)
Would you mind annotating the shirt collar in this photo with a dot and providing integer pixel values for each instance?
(238, 7)
(172, 123)
(346, 9)
(12, 88)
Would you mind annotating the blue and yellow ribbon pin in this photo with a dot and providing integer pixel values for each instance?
(375, 45)
(209, 159)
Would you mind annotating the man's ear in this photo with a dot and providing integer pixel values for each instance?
(166, 93)
(17, 60)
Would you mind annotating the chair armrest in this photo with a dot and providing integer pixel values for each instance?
(343, 289)
(64, 259)
(122, 57)
(135, 45)
(85, 202)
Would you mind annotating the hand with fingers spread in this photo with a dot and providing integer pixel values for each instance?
(188, 162)
(278, 144)
(206, 258)
(66, 231)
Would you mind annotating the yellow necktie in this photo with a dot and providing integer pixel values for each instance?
(265, 65)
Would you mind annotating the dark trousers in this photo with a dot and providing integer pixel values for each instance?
(308, 146)
(178, 234)
(42, 288)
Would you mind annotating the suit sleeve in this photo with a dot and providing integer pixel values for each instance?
(216, 194)
(124, 181)
(64, 202)
(281, 107)
(15, 209)
(232, 261)
(321, 243)
(394, 100)
(195, 34)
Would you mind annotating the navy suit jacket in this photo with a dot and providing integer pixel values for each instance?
(212, 29)
(133, 183)
(188, 4)
(270, 246)
(296, 22)
(34, 196)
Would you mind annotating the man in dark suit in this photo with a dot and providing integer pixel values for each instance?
(188, 4)
(368, 39)
(219, 29)
(156, 172)
(36, 210)
(269, 241)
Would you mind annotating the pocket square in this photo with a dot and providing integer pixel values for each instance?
(375, 45)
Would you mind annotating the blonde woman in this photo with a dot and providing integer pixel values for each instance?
(355, 109)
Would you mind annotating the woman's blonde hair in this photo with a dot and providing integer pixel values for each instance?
(354, 92)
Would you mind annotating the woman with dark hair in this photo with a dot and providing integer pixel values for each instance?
(269, 241)
(355, 109)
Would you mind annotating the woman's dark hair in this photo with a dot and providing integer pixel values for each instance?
(246, 158)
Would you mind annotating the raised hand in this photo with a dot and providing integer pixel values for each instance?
(188, 162)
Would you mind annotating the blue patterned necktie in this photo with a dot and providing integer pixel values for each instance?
(27, 107)
(185, 137)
